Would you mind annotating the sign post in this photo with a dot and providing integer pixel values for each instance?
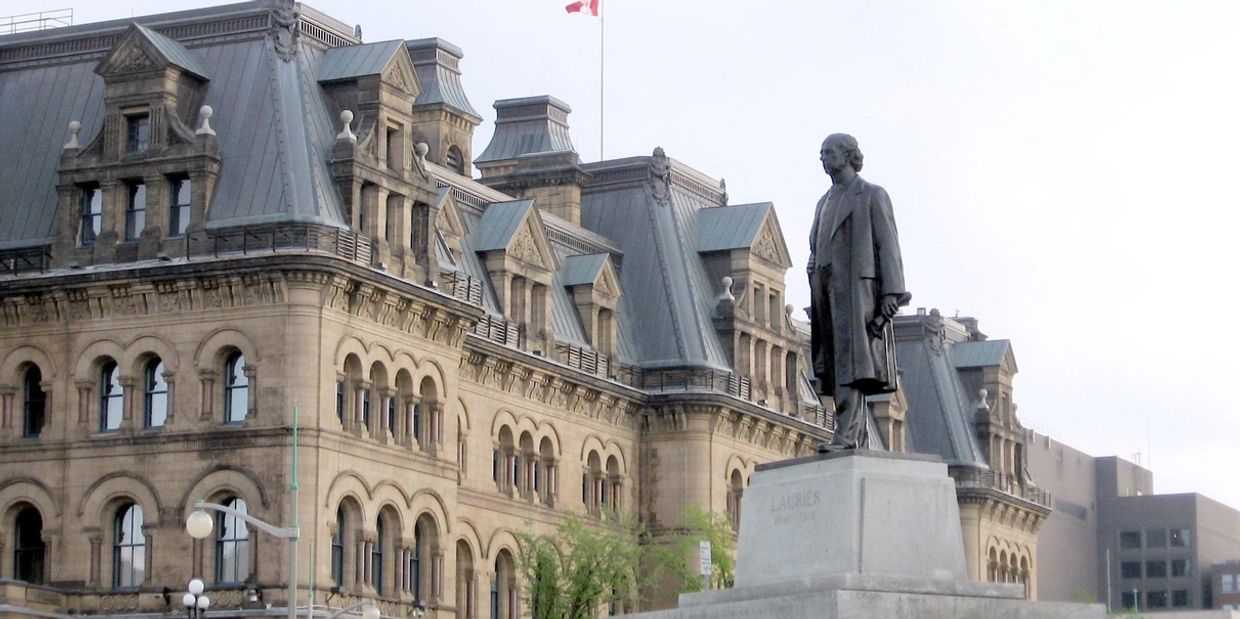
(704, 565)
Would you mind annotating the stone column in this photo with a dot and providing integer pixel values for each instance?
(384, 433)
(95, 538)
(170, 380)
(7, 423)
(251, 389)
(128, 404)
(207, 379)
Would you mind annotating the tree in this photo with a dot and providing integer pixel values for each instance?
(679, 556)
(581, 567)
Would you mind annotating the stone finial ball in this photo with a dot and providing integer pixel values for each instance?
(346, 116)
(421, 149)
(206, 111)
(727, 282)
(983, 394)
(788, 309)
(75, 126)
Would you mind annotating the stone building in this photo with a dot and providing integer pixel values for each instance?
(220, 225)
(956, 401)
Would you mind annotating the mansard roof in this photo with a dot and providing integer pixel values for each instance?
(982, 354)
(272, 120)
(437, 63)
(940, 407)
(649, 206)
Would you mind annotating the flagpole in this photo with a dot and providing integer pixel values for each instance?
(602, 38)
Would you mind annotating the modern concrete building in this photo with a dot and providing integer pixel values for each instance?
(1148, 550)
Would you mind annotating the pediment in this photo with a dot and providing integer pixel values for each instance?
(594, 270)
(400, 74)
(142, 50)
(608, 281)
(529, 244)
(448, 220)
(769, 243)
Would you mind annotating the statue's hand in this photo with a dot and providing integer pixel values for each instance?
(890, 305)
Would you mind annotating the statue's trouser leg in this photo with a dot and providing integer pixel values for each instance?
(850, 418)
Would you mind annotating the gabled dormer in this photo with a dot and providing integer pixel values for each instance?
(592, 281)
(376, 166)
(745, 242)
(147, 174)
(519, 261)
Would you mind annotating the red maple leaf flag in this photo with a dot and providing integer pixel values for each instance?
(590, 7)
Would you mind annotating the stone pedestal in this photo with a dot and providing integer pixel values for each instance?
(858, 535)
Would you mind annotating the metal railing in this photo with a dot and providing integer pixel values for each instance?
(42, 20)
(25, 260)
(968, 477)
(274, 237)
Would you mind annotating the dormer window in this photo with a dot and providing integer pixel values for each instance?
(137, 133)
(92, 215)
(135, 211)
(394, 148)
(455, 160)
(178, 210)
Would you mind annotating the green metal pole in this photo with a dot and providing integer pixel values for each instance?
(295, 490)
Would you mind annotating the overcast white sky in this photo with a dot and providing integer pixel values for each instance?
(1063, 170)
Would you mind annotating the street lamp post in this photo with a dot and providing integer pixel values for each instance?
(200, 523)
(196, 603)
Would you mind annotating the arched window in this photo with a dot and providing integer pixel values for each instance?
(338, 546)
(128, 548)
(232, 548)
(615, 485)
(422, 559)
(504, 588)
(455, 160)
(34, 402)
(236, 389)
(155, 390)
(29, 551)
(111, 397)
(735, 490)
(376, 556)
(465, 581)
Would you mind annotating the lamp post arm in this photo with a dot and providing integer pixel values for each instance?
(346, 609)
(290, 533)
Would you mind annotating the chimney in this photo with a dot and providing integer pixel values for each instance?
(532, 156)
(443, 118)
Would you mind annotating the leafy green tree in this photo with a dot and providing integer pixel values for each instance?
(574, 572)
(678, 556)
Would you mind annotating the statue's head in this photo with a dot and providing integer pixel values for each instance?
(843, 149)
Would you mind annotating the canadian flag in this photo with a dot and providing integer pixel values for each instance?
(584, 6)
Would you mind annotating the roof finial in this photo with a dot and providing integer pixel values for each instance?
(74, 128)
(727, 289)
(205, 128)
(346, 133)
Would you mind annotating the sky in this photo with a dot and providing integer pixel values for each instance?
(1061, 170)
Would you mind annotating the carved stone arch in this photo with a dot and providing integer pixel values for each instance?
(350, 344)
(430, 368)
(405, 360)
(526, 424)
(89, 356)
(593, 443)
(735, 463)
(393, 507)
(143, 348)
(468, 533)
(427, 501)
(463, 423)
(236, 479)
(548, 430)
(349, 483)
(32, 491)
(211, 351)
(107, 490)
(503, 417)
(391, 492)
(613, 448)
(380, 353)
(26, 353)
(502, 538)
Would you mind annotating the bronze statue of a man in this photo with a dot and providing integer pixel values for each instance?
(856, 280)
